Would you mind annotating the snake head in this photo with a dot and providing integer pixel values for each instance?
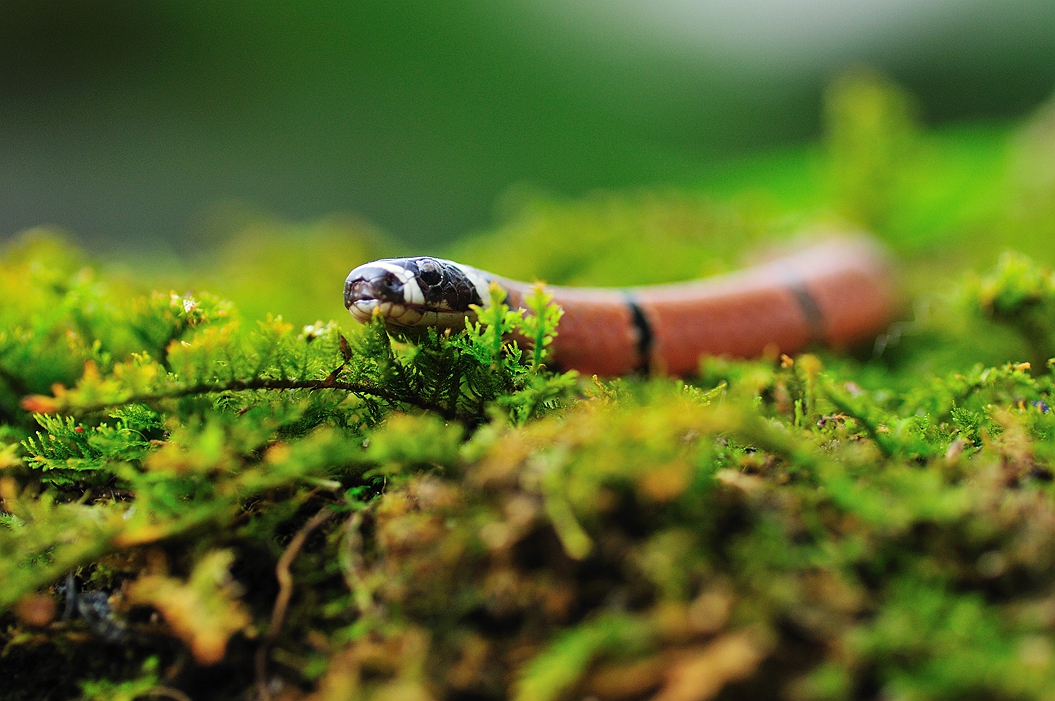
(415, 292)
(385, 288)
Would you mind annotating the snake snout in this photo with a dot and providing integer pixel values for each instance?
(356, 289)
(370, 283)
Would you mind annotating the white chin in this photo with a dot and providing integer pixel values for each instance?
(363, 310)
(393, 314)
(399, 314)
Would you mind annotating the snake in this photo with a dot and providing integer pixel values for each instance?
(838, 292)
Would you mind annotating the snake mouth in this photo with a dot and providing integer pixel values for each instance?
(373, 282)
(408, 292)
(364, 304)
(384, 289)
(394, 314)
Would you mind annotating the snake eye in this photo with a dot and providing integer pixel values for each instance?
(429, 273)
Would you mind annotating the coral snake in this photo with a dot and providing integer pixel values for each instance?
(838, 292)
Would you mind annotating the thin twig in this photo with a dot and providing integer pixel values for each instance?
(351, 560)
(285, 592)
(273, 384)
(167, 692)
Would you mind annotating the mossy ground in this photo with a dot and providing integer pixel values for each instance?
(202, 500)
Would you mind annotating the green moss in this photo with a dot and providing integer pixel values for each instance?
(248, 507)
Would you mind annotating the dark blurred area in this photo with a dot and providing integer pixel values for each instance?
(136, 121)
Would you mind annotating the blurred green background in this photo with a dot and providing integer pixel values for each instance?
(171, 126)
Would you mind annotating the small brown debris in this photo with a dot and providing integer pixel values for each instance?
(748, 484)
(954, 451)
(702, 672)
(36, 610)
(616, 681)
(709, 612)
(40, 404)
(202, 611)
(666, 482)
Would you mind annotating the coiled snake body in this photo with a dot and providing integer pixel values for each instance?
(838, 293)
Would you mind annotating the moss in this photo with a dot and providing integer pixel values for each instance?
(203, 501)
